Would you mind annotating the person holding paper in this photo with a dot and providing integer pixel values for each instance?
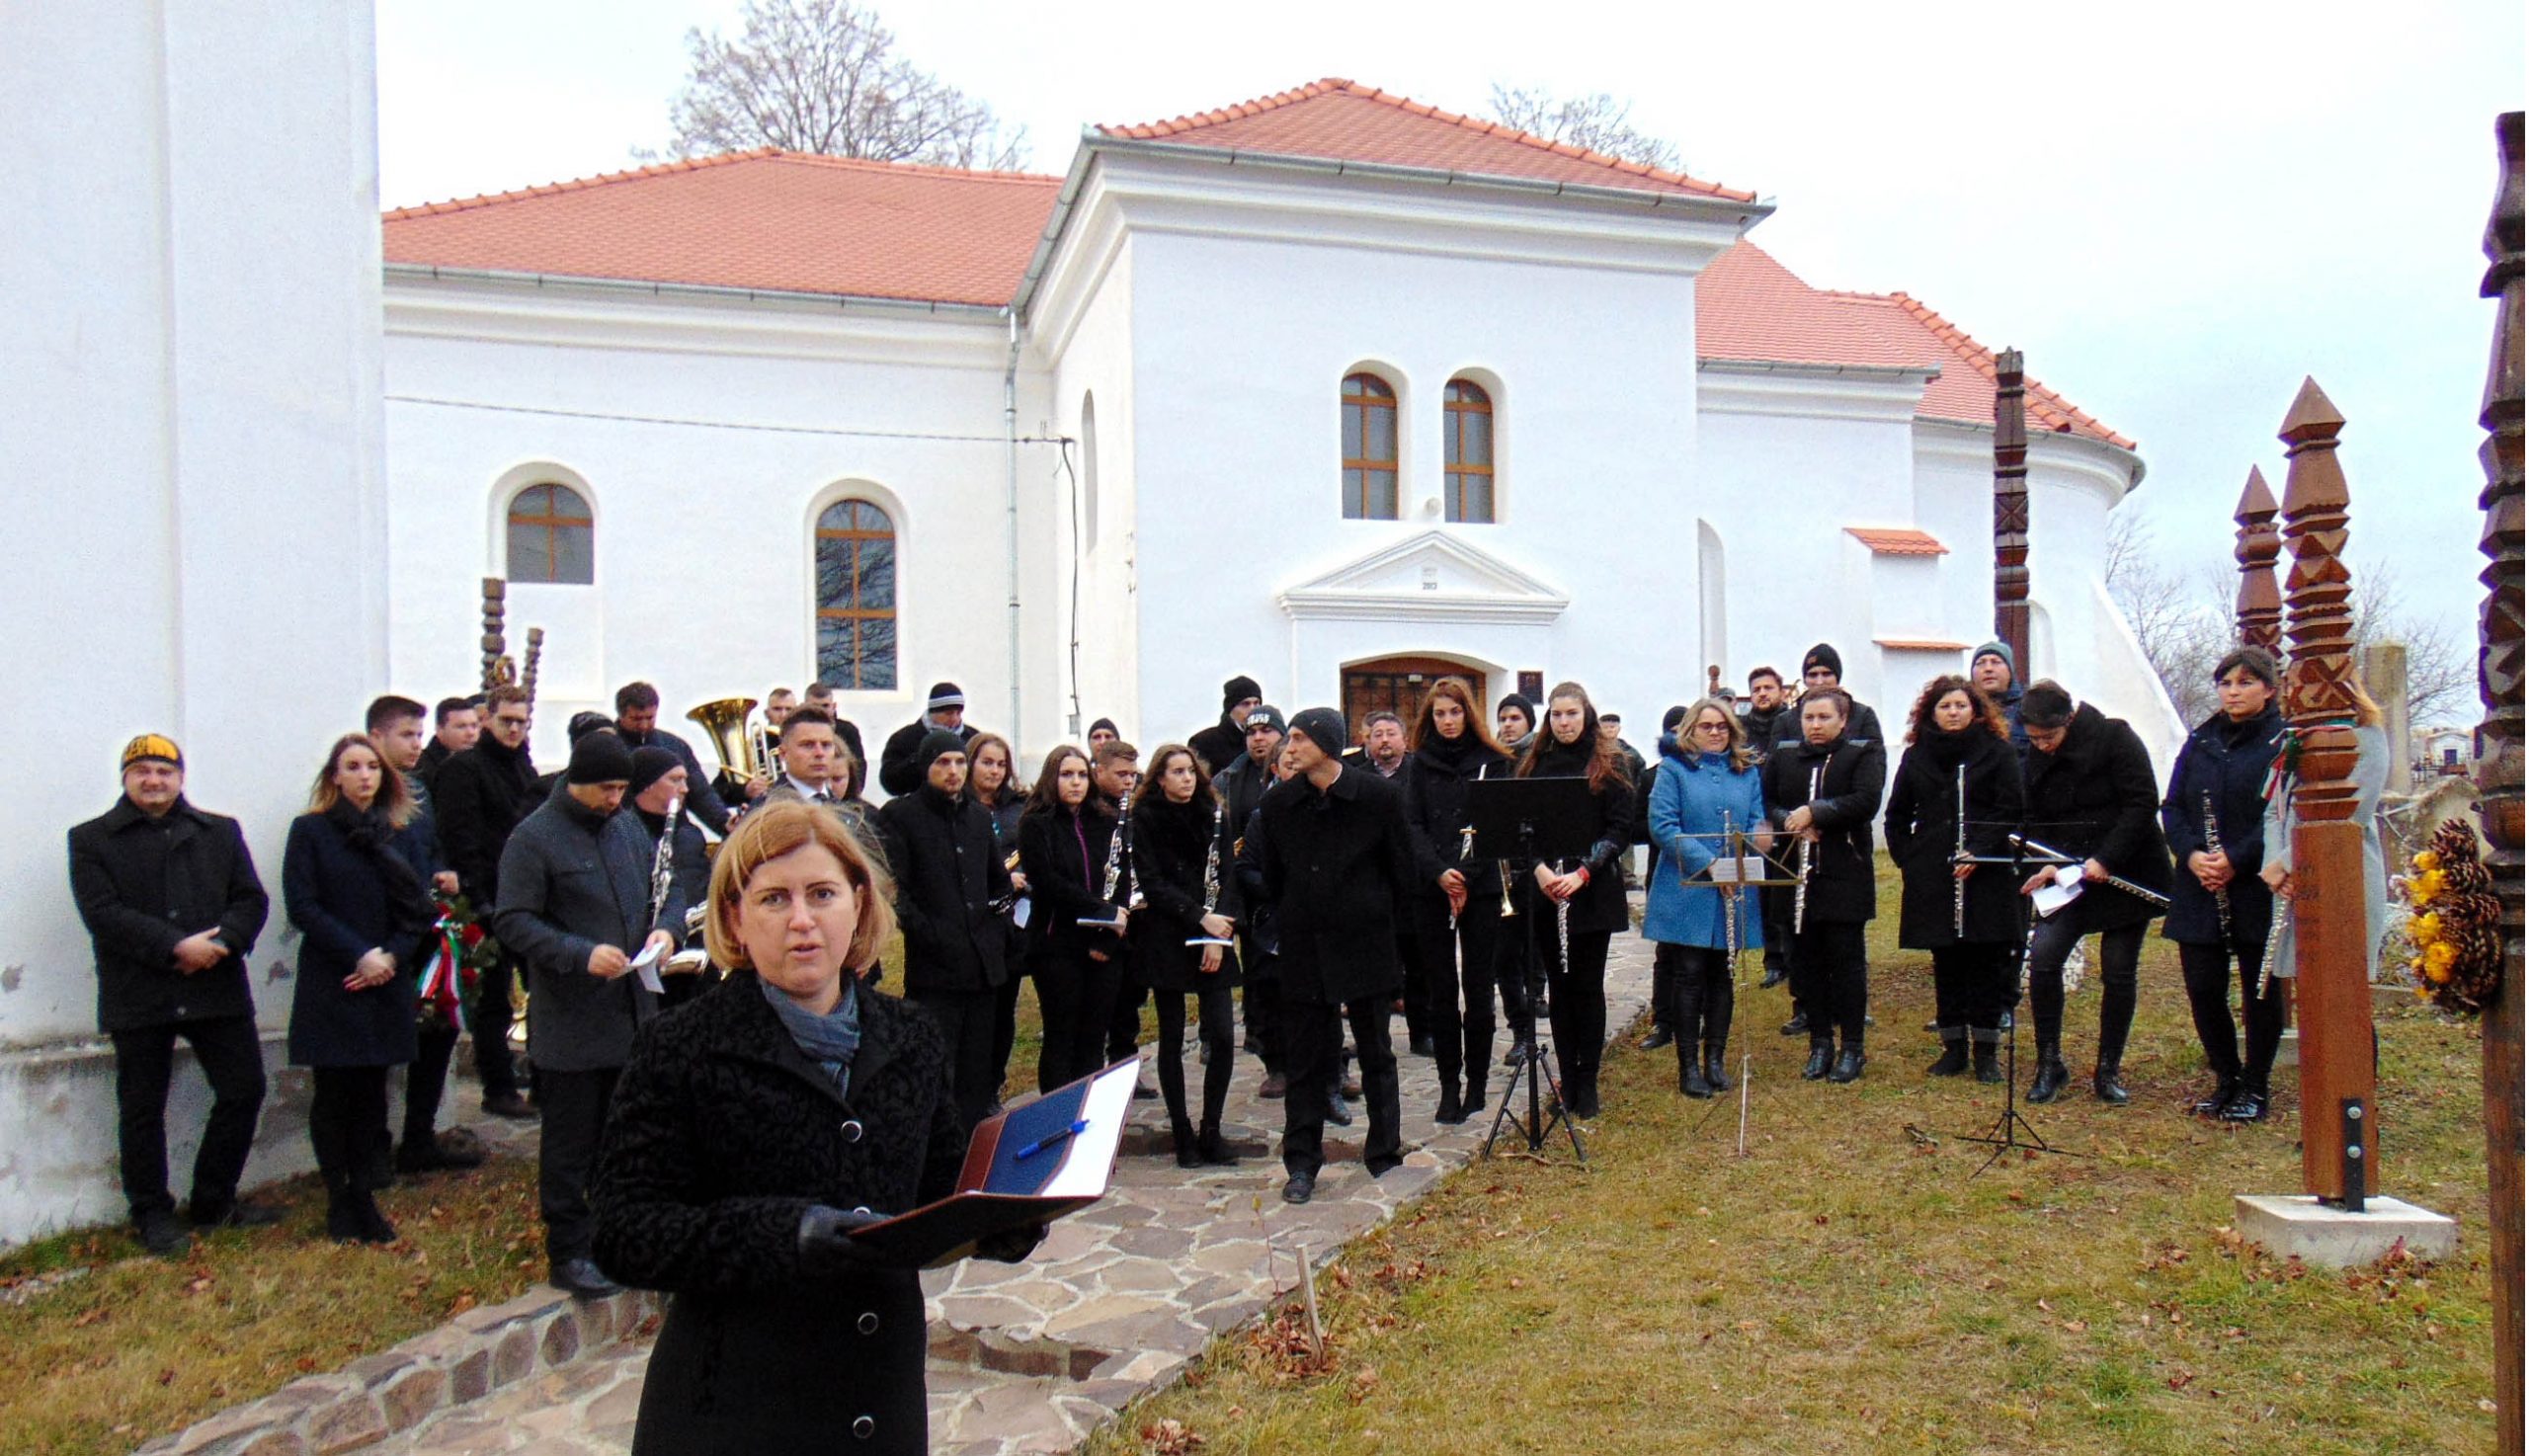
(576, 910)
(659, 782)
(1181, 940)
(1707, 789)
(753, 1132)
(2091, 793)
(1067, 847)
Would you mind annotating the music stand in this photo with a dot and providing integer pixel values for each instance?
(2005, 1135)
(1740, 845)
(1532, 820)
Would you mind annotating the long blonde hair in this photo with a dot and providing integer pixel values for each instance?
(1742, 756)
(394, 801)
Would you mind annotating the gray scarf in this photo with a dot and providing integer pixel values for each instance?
(829, 1040)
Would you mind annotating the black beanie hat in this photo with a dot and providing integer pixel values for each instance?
(1669, 720)
(600, 758)
(944, 696)
(1824, 655)
(649, 766)
(583, 724)
(1527, 706)
(1237, 690)
(1106, 723)
(935, 743)
(1321, 726)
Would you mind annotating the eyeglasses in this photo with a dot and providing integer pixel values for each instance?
(1720, 728)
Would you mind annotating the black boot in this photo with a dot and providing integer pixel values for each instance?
(1847, 1066)
(1798, 1024)
(1660, 1036)
(374, 1226)
(1214, 1148)
(2108, 1084)
(342, 1217)
(1452, 1111)
(2248, 1103)
(1988, 1064)
(1471, 1102)
(2225, 1088)
(1821, 1054)
(1953, 1053)
(1714, 1063)
(1187, 1153)
(1690, 1078)
(2051, 1074)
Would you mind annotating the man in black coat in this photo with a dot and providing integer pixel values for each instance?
(939, 844)
(478, 798)
(1336, 860)
(1764, 720)
(1823, 668)
(458, 723)
(636, 721)
(660, 784)
(2092, 793)
(1241, 786)
(170, 899)
(900, 770)
(576, 908)
(1225, 740)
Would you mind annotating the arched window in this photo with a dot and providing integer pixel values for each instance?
(1467, 452)
(855, 596)
(1369, 449)
(553, 537)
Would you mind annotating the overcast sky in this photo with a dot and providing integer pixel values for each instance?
(2176, 210)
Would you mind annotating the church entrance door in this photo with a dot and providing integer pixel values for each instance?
(1397, 685)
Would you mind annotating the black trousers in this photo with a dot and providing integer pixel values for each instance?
(231, 1056)
(1005, 1019)
(1774, 902)
(1971, 987)
(966, 1021)
(2206, 969)
(1418, 993)
(1215, 1029)
(1259, 1000)
(1831, 979)
(2120, 957)
(1312, 1051)
(1457, 983)
(575, 1105)
(1125, 1017)
(346, 1126)
(492, 1015)
(1701, 998)
(1077, 995)
(1577, 1015)
(426, 1081)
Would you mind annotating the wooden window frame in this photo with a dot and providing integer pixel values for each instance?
(1357, 506)
(857, 613)
(554, 521)
(1456, 475)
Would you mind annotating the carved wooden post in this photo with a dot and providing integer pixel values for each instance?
(2261, 602)
(2498, 768)
(2010, 508)
(2339, 1132)
(526, 673)
(496, 666)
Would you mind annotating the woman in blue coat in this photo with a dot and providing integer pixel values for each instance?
(1705, 784)
(362, 915)
(2215, 820)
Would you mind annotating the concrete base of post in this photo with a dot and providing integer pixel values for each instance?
(2301, 1226)
(2287, 1053)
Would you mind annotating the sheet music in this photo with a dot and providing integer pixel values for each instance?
(646, 965)
(2066, 888)
(1738, 871)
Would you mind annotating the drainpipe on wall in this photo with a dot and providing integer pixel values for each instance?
(1009, 420)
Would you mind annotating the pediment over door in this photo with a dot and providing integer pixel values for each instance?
(1433, 574)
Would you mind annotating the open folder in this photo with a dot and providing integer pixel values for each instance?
(1030, 1165)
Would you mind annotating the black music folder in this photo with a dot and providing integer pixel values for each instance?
(1030, 1165)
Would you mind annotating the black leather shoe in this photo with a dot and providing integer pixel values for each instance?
(1692, 1082)
(236, 1214)
(1418, 1046)
(1518, 1053)
(1299, 1188)
(1953, 1059)
(1798, 1024)
(1337, 1113)
(1215, 1149)
(2108, 1084)
(582, 1279)
(1714, 1065)
(1274, 1087)
(1989, 1066)
(2211, 1105)
(2051, 1077)
(2247, 1104)
(374, 1226)
(1187, 1153)
(511, 1105)
(161, 1232)
(1821, 1055)
(1774, 976)
(1660, 1036)
(1451, 1112)
(1847, 1066)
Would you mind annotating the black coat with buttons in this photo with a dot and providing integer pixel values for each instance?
(144, 884)
(1335, 865)
(721, 1136)
(949, 870)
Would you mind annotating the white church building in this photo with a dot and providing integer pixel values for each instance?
(1329, 388)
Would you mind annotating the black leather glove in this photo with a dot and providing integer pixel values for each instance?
(827, 1248)
(1010, 1246)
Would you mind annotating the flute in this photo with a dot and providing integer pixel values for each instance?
(2213, 842)
(2148, 897)
(1211, 880)
(1958, 886)
(1808, 855)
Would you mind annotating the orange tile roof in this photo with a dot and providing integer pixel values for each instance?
(1343, 120)
(1897, 541)
(1748, 307)
(760, 219)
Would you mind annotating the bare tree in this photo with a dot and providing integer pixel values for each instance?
(822, 76)
(1599, 122)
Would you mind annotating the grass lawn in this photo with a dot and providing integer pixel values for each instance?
(1849, 1287)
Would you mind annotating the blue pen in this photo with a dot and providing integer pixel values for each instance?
(1052, 1140)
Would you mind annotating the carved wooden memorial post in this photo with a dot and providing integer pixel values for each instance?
(497, 667)
(2339, 1136)
(2498, 768)
(2010, 508)
(2258, 544)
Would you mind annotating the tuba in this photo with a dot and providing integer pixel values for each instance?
(725, 720)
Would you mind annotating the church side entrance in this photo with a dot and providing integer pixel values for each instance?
(1397, 683)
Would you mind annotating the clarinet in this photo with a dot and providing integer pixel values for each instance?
(2213, 842)
(663, 864)
(1957, 886)
(1211, 881)
(1466, 847)
(1114, 871)
(1808, 855)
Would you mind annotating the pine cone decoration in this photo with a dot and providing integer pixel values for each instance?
(2458, 941)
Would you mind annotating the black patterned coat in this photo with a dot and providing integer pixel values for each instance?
(721, 1136)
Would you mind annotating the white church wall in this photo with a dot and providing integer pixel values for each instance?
(704, 531)
(1093, 385)
(193, 434)
(1241, 349)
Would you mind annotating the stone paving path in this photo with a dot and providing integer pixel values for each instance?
(1032, 1358)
